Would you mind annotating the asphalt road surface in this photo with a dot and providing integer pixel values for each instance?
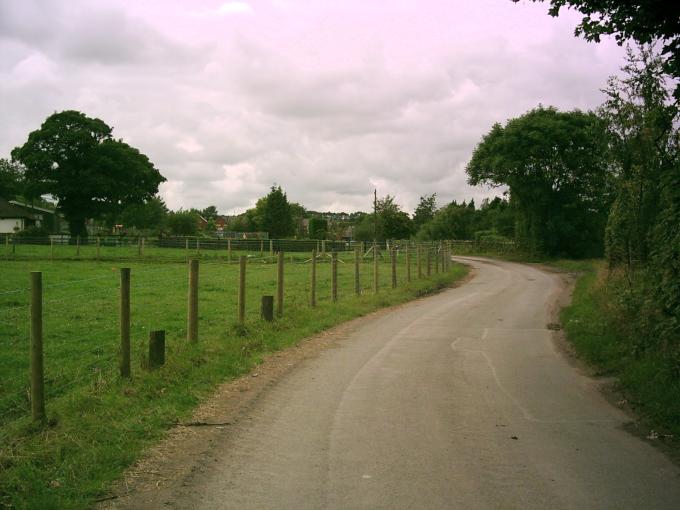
(456, 401)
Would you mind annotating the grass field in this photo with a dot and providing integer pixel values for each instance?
(97, 423)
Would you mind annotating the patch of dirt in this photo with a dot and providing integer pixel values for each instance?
(187, 445)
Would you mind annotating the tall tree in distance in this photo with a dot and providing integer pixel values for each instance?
(425, 210)
(75, 159)
(277, 217)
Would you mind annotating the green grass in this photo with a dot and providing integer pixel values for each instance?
(601, 331)
(99, 424)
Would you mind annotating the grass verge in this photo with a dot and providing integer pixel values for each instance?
(99, 424)
(605, 332)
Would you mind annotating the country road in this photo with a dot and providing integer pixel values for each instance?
(457, 401)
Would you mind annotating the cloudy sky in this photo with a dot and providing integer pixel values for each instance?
(327, 98)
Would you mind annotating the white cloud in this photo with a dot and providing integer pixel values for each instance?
(234, 8)
(327, 99)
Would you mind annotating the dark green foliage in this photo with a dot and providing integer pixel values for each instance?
(75, 159)
(149, 215)
(555, 166)
(183, 223)
(277, 217)
(644, 21)
(451, 222)
(318, 228)
(609, 323)
(640, 128)
(10, 179)
(33, 233)
(392, 222)
(209, 213)
(427, 207)
(643, 234)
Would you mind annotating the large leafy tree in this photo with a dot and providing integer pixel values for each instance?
(644, 21)
(555, 166)
(75, 159)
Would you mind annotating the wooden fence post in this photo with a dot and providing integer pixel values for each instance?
(228, 251)
(376, 283)
(323, 248)
(393, 255)
(271, 247)
(261, 248)
(279, 285)
(419, 257)
(98, 247)
(186, 250)
(156, 349)
(357, 271)
(267, 308)
(192, 308)
(143, 246)
(408, 264)
(334, 276)
(429, 261)
(312, 290)
(437, 256)
(125, 322)
(51, 248)
(198, 246)
(37, 369)
(242, 289)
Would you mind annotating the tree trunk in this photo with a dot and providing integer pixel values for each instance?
(76, 227)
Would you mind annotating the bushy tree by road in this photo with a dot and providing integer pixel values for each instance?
(555, 165)
(75, 159)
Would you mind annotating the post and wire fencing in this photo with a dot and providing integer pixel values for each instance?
(79, 326)
(135, 248)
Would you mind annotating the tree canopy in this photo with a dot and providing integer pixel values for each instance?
(555, 166)
(75, 159)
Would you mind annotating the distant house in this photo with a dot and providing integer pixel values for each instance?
(15, 216)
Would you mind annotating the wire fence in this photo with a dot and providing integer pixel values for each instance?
(177, 248)
(81, 321)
